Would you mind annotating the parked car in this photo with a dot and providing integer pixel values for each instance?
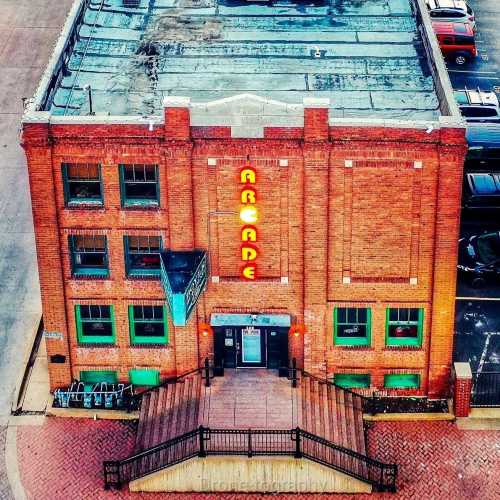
(478, 105)
(481, 190)
(484, 147)
(456, 41)
(479, 258)
(452, 11)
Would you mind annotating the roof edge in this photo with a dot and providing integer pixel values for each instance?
(442, 83)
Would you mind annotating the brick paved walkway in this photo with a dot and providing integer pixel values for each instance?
(62, 459)
(232, 402)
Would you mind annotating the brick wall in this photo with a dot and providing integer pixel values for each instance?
(366, 217)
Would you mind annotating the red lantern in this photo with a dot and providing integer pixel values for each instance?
(205, 329)
(297, 330)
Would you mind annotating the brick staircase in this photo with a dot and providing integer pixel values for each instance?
(330, 412)
(169, 411)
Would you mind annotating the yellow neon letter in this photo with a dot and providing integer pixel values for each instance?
(248, 253)
(249, 214)
(248, 233)
(247, 175)
(249, 272)
(248, 196)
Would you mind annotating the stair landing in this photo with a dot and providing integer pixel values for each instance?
(249, 399)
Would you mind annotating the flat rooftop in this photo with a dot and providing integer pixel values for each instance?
(367, 56)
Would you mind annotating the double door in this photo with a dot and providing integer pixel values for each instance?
(251, 346)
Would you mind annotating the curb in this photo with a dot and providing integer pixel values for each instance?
(11, 464)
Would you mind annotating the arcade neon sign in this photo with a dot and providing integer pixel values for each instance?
(249, 216)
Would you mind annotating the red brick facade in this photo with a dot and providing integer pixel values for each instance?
(350, 216)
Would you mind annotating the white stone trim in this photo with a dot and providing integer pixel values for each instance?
(348, 163)
(283, 163)
(417, 164)
(346, 280)
(215, 279)
(413, 281)
(212, 162)
(284, 280)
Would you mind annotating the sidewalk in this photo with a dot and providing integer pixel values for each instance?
(63, 459)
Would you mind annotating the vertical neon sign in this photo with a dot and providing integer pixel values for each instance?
(249, 215)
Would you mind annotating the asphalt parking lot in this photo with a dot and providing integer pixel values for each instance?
(477, 320)
(485, 71)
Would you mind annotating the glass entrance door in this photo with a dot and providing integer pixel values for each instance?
(251, 347)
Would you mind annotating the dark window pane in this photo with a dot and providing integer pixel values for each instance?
(403, 331)
(138, 312)
(128, 173)
(150, 174)
(90, 190)
(97, 328)
(95, 311)
(85, 312)
(145, 261)
(140, 191)
(342, 315)
(393, 314)
(464, 40)
(351, 315)
(90, 259)
(351, 331)
(158, 312)
(414, 314)
(152, 329)
(362, 316)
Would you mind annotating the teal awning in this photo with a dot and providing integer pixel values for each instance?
(219, 319)
(184, 278)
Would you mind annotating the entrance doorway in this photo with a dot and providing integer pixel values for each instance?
(251, 346)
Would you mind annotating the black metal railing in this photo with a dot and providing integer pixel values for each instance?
(368, 404)
(296, 442)
(485, 389)
(206, 370)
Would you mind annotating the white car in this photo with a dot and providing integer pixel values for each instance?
(452, 11)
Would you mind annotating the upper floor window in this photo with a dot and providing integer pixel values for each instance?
(142, 255)
(82, 183)
(352, 325)
(404, 326)
(89, 255)
(95, 324)
(139, 185)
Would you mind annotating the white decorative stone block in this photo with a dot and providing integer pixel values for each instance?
(284, 280)
(283, 163)
(417, 164)
(348, 163)
(215, 279)
(212, 162)
(413, 281)
(346, 280)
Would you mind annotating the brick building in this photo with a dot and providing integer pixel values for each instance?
(250, 183)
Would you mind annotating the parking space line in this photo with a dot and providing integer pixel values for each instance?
(472, 72)
(478, 298)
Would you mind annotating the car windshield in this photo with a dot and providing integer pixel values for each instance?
(488, 248)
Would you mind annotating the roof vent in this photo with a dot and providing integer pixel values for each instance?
(317, 53)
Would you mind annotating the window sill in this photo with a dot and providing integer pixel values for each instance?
(138, 276)
(141, 206)
(86, 205)
(90, 276)
(93, 345)
(403, 348)
(150, 346)
(359, 347)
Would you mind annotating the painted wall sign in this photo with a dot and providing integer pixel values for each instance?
(53, 335)
(249, 216)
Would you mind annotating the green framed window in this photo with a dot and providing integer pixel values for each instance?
(95, 324)
(142, 255)
(352, 380)
(139, 185)
(404, 326)
(96, 376)
(89, 255)
(401, 381)
(352, 325)
(82, 183)
(144, 377)
(148, 324)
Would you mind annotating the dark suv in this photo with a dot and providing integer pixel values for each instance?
(478, 105)
(479, 258)
(481, 190)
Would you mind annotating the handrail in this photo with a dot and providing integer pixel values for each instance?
(171, 380)
(203, 441)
